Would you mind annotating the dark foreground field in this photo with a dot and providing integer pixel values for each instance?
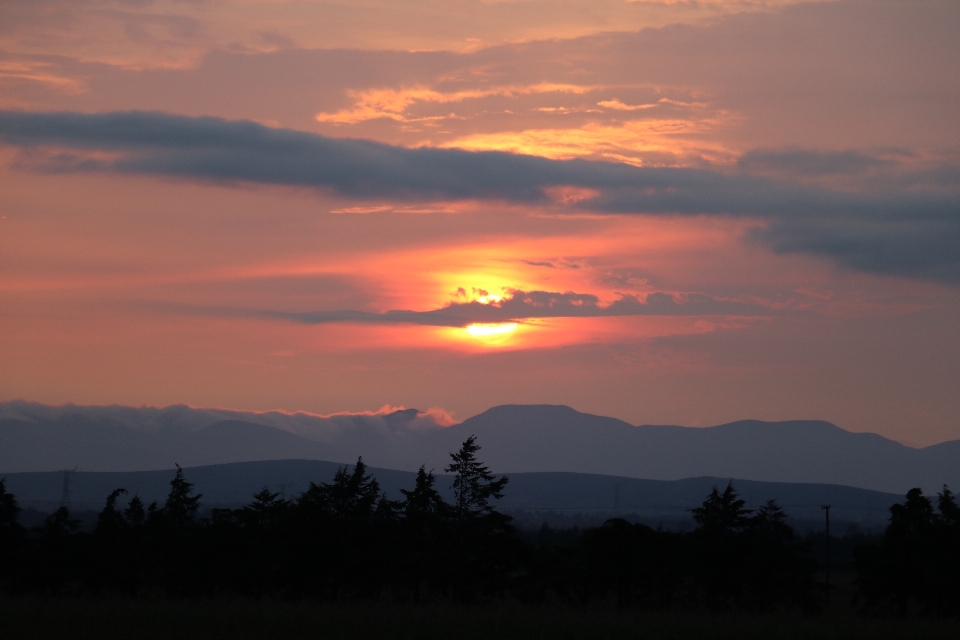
(237, 619)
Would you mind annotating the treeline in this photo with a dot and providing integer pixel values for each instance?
(918, 561)
(345, 540)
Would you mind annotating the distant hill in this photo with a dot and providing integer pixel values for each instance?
(514, 439)
(593, 495)
(557, 438)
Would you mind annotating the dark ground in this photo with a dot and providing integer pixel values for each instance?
(238, 619)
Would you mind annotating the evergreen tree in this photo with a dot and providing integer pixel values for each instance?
(422, 550)
(59, 524)
(264, 509)
(718, 547)
(9, 509)
(776, 567)
(134, 513)
(353, 495)
(947, 505)
(722, 513)
(110, 520)
(12, 535)
(180, 509)
(770, 523)
(482, 551)
(423, 502)
(473, 484)
(918, 559)
(914, 518)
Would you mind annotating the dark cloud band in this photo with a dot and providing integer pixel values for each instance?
(521, 306)
(904, 231)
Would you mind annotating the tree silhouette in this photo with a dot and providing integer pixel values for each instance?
(12, 535)
(9, 509)
(770, 523)
(473, 484)
(722, 513)
(914, 518)
(423, 502)
(949, 510)
(180, 509)
(347, 540)
(134, 513)
(59, 524)
(264, 509)
(776, 566)
(421, 555)
(481, 549)
(110, 520)
(918, 561)
(351, 495)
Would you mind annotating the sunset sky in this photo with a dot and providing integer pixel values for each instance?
(663, 211)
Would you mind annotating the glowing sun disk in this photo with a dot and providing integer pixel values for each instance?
(479, 330)
(492, 333)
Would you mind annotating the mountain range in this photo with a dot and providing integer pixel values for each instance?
(514, 439)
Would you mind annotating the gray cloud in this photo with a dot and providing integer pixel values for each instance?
(812, 163)
(929, 251)
(519, 306)
(549, 265)
(908, 232)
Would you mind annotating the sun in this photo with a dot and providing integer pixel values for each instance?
(492, 334)
(489, 298)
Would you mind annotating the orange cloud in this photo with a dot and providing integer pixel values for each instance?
(637, 142)
(33, 71)
(393, 104)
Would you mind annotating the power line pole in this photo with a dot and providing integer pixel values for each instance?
(826, 509)
(65, 495)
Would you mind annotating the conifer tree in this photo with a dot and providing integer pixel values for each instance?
(180, 509)
(423, 501)
(911, 520)
(9, 509)
(473, 484)
(59, 524)
(110, 520)
(264, 508)
(352, 495)
(947, 505)
(722, 513)
(134, 512)
(770, 522)
(12, 535)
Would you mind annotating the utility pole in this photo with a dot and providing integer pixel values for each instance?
(65, 495)
(283, 489)
(826, 509)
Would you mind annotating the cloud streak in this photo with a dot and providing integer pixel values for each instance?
(904, 232)
(520, 306)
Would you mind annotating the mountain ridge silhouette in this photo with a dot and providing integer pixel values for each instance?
(514, 439)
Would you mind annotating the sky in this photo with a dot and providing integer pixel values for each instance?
(663, 211)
